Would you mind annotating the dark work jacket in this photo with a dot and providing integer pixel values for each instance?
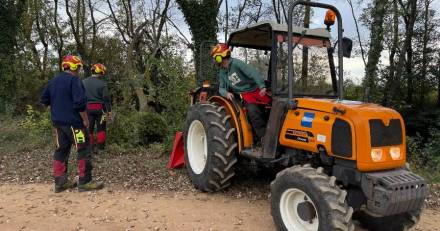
(65, 94)
(97, 91)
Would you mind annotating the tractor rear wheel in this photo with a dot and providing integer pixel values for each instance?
(305, 198)
(210, 147)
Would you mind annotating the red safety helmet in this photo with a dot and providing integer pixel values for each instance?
(71, 62)
(220, 51)
(99, 68)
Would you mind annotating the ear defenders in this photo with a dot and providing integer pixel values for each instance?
(73, 67)
(218, 59)
(70, 66)
(98, 70)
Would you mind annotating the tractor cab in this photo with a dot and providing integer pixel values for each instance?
(271, 38)
(264, 46)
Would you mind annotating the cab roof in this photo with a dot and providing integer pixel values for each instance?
(259, 35)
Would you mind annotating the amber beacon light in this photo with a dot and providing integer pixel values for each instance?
(330, 18)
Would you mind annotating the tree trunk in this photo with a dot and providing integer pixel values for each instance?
(409, 18)
(305, 53)
(59, 40)
(391, 69)
(409, 73)
(424, 53)
(201, 17)
(143, 99)
(438, 81)
(376, 47)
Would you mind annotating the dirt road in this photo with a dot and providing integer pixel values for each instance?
(36, 207)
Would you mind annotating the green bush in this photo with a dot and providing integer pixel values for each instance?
(134, 128)
(152, 128)
(424, 155)
(37, 122)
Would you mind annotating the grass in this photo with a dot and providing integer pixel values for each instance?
(16, 139)
(431, 175)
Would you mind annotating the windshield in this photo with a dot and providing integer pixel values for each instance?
(258, 59)
(312, 77)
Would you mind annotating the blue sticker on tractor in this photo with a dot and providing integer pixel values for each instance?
(307, 119)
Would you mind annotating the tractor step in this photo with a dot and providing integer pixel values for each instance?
(254, 153)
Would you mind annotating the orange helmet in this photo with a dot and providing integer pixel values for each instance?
(71, 62)
(220, 51)
(99, 68)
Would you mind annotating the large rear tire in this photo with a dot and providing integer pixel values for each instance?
(210, 147)
(305, 198)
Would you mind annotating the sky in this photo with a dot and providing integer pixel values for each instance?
(354, 66)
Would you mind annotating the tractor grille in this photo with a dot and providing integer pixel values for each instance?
(394, 192)
(341, 138)
(382, 135)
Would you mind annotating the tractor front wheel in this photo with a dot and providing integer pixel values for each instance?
(210, 147)
(305, 198)
(399, 222)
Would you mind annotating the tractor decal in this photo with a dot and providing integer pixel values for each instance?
(298, 135)
(307, 119)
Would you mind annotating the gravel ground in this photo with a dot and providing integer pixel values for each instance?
(138, 170)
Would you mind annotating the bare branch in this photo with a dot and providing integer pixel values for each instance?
(116, 21)
(94, 25)
(240, 12)
(187, 42)
(162, 21)
(284, 10)
(60, 41)
(358, 33)
(277, 16)
(71, 22)
(227, 20)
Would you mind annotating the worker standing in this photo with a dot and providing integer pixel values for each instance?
(98, 105)
(66, 97)
(239, 78)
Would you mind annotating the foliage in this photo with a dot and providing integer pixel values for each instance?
(37, 122)
(18, 139)
(424, 155)
(420, 122)
(152, 128)
(201, 17)
(137, 128)
(10, 12)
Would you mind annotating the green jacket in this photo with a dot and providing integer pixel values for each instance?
(239, 77)
(97, 91)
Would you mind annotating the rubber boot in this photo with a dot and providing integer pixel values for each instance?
(91, 186)
(68, 185)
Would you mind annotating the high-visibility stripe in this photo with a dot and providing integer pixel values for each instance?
(74, 138)
(57, 137)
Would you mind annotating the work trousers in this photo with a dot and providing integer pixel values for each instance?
(97, 120)
(257, 116)
(66, 136)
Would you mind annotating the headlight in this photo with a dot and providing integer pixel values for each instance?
(376, 154)
(395, 153)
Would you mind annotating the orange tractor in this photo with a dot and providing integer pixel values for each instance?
(342, 160)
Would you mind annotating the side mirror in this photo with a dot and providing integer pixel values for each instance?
(347, 46)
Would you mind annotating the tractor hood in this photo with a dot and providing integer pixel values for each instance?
(373, 127)
(342, 106)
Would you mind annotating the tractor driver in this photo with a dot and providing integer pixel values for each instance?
(237, 77)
